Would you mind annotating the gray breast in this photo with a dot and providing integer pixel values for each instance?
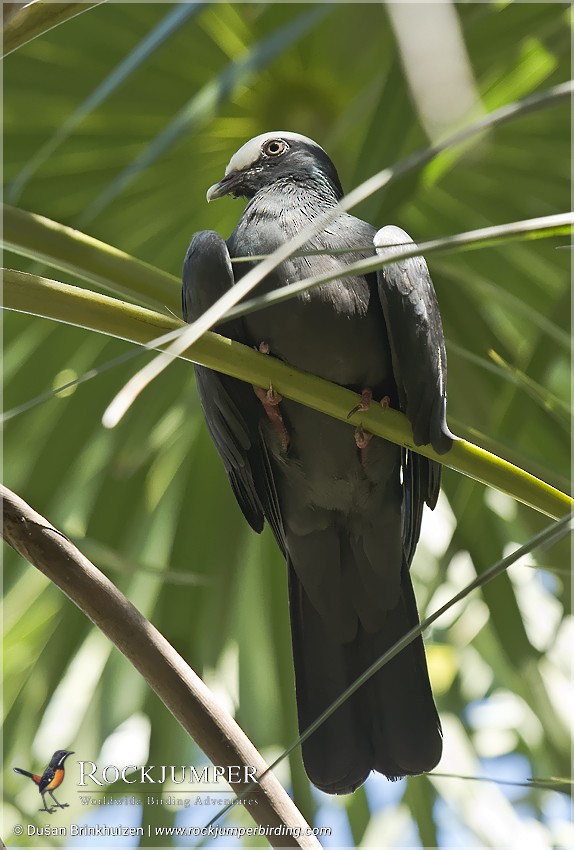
(337, 330)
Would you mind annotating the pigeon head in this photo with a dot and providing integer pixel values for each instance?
(279, 157)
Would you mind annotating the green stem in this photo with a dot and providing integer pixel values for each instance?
(34, 19)
(98, 263)
(42, 297)
(542, 227)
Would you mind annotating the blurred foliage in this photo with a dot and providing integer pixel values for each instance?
(149, 501)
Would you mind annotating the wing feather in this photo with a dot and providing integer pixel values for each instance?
(414, 328)
(415, 333)
(232, 411)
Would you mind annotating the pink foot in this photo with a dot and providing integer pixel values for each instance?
(364, 404)
(362, 438)
(270, 401)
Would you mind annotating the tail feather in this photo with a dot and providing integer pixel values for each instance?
(404, 723)
(27, 773)
(390, 724)
(337, 756)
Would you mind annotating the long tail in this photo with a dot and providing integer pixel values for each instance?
(390, 724)
(31, 776)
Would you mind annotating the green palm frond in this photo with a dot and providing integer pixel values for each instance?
(106, 120)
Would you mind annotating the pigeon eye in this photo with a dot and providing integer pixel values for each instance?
(274, 147)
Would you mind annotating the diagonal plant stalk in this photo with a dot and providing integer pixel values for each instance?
(174, 19)
(545, 538)
(181, 690)
(545, 398)
(561, 784)
(205, 103)
(509, 302)
(378, 181)
(373, 184)
(227, 305)
(103, 265)
(69, 250)
(496, 365)
(444, 161)
(36, 18)
(51, 299)
(534, 228)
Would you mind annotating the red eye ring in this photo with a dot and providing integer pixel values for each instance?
(274, 147)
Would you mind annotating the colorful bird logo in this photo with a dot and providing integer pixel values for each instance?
(51, 779)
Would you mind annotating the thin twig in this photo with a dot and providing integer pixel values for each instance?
(562, 786)
(541, 227)
(548, 536)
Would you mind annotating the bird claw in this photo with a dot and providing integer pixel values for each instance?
(362, 438)
(272, 397)
(270, 401)
(268, 397)
(385, 402)
(364, 404)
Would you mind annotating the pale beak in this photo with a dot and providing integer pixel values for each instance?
(225, 186)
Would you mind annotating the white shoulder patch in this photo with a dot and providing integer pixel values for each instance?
(250, 152)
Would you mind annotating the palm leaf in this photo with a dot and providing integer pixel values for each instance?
(151, 491)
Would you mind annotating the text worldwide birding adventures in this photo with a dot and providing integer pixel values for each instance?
(344, 507)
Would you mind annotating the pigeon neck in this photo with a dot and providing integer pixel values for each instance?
(312, 196)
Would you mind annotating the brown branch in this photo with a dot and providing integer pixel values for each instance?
(176, 684)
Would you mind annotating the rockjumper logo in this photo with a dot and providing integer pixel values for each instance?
(161, 773)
